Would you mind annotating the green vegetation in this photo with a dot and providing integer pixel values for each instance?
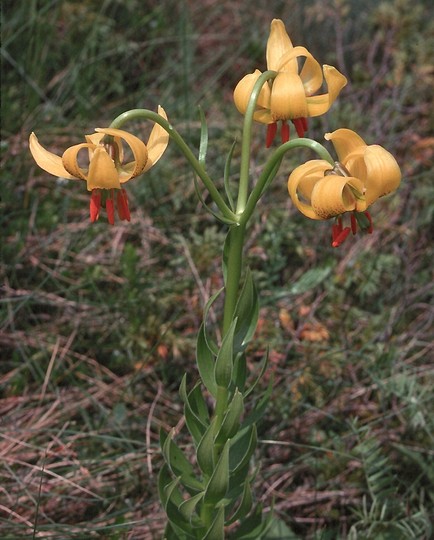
(98, 323)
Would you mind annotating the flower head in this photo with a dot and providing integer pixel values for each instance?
(290, 95)
(362, 175)
(106, 171)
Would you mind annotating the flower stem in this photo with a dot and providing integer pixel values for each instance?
(135, 114)
(272, 166)
(243, 187)
(234, 269)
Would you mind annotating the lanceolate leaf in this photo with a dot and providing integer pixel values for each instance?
(195, 425)
(227, 173)
(179, 464)
(242, 448)
(232, 419)
(205, 449)
(259, 376)
(219, 481)
(245, 505)
(216, 531)
(188, 507)
(225, 359)
(205, 360)
(203, 137)
(260, 406)
(246, 311)
(177, 520)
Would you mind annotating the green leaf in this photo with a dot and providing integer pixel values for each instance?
(245, 505)
(188, 506)
(210, 343)
(231, 421)
(164, 479)
(205, 449)
(246, 312)
(242, 447)
(178, 463)
(198, 404)
(219, 481)
(251, 524)
(216, 531)
(225, 358)
(217, 215)
(203, 137)
(205, 360)
(195, 425)
(260, 374)
(260, 406)
(173, 500)
(254, 527)
(227, 172)
(239, 374)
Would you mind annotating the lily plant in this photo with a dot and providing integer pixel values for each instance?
(207, 491)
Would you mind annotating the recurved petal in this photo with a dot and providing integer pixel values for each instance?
(138, 148)
(47, 160)
(242, 94)
(70, 163)
(311, 73)
(334, 195)
(157, 143)
(345, 142)
(279, 44)
(301, 183)
(335, 81)
(383, 174)
(102, 171)
(288, 98)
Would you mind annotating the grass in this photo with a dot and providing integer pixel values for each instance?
(97, 324)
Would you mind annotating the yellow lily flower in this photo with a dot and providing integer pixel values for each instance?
(290, 95)
(361, 176)
(107, 170)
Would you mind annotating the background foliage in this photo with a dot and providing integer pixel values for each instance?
(97, 324)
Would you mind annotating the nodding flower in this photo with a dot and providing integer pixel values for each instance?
(290, 95)
(107, 170)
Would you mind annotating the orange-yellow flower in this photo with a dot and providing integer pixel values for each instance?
(290, 96)
(106, 172)
(362, 175)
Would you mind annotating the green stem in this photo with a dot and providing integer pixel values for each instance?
(272, 166)
(234, 269)
(246, 144)
(135, 114)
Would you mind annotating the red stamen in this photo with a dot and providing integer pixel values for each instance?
(341, 237)
(335, 232)
(300, 126)
(271, 133)
(353, 224)
(371, 225)
(122, 204)
(340, 226)
(95, 205)
(110, 208)
(284, 132)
